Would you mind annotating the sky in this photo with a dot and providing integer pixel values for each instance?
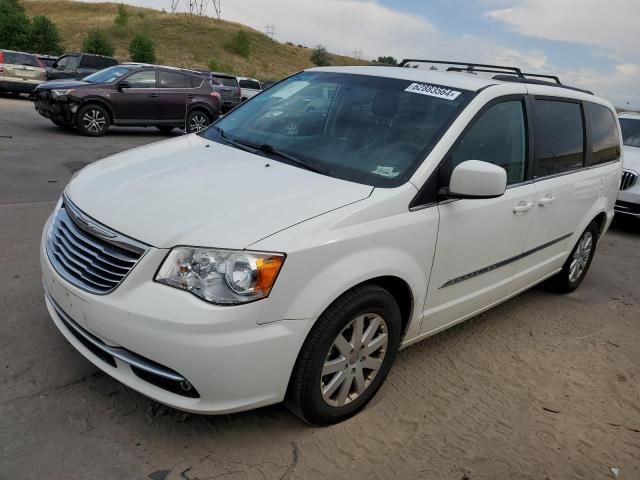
(594, 44)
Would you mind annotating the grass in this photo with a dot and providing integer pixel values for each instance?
(180, 39)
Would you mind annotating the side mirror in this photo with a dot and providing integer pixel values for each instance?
(477, 179)
(123, 84)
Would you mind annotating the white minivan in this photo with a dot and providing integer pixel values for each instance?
(287, 252)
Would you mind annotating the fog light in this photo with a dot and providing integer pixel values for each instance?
(74, 108)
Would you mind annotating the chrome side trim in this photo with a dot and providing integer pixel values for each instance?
(502, 263)
(121, 354)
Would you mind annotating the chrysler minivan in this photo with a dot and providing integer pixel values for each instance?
(290, 250)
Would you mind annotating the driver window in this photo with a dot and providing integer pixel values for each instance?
(498, 137)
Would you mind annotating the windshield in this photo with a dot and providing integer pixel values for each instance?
(366, 129)
(107, 75)
(630, 131)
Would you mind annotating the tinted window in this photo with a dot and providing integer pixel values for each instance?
(21, 59)
(46, 61)
(89, 61)
(227, 81)
(251, 84)
(366, 129)
(172, 80)
(498, 137)
(195, 82)
(630, 131)
(107, 75)
(144, 79)
(559, 132)
(69, 61)
(104, 62)
(604, 134)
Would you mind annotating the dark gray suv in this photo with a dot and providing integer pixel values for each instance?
(229, 89)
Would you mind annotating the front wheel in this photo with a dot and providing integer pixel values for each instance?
(93, 120)
(346, 357)
(197, 121)
(575, 268)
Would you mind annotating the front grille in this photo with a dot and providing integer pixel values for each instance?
(629, 179)
(87, 254)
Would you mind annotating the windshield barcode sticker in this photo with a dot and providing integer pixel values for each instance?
(432, 91)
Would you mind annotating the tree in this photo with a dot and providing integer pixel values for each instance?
(122, 17)
(141, 49)
(240, 45)
(14, 26)
(44, 36)
(97, 42)
(320, 56)
(387, 60)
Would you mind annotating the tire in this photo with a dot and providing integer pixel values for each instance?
(575, 268)
(93, 120)
(323, 371)
(165, 129)
(197, 121)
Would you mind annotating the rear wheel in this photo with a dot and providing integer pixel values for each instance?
(197, 121)
(93, 120)
(346, 357)
(575, 268)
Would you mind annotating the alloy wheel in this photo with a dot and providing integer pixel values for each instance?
(581, 256)
(94, 120)
(354, 359)
(198, 123)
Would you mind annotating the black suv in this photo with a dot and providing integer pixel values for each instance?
(79, 65)
(228, 88)
(131, 95)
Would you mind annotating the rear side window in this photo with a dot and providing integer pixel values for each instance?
(195, 82)
(604, 134)
(251, 84)
(12, 58)
(172, 80)
(105, 62)
(89, 61)
(498, 136)
(559, 131)
(227, 81)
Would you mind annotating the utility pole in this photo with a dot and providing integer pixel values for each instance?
(270, 30)
(216, 7)
(357, 54)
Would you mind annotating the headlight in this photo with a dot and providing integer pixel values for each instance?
(61, 93)
(221, 276)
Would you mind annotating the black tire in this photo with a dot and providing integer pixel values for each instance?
(305, 394)
(197, 120)
(89, 113)
(164, 129)
(565, 281)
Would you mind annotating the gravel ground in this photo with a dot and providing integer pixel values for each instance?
(541, 387)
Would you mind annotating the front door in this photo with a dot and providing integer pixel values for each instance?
(138, 102)
(480, 240)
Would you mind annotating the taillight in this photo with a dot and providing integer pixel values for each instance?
(1, 62)
(239, 92)
(215, 94)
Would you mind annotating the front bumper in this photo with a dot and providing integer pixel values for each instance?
(628, 202)
(50, 108)
(232, 363)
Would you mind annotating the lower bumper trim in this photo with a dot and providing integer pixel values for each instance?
(146, 369)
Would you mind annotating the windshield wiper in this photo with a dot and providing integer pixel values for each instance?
(268, 148)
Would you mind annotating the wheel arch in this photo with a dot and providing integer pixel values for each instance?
(100, 102)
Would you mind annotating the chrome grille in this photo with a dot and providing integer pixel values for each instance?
(87, 254)
(628, 180)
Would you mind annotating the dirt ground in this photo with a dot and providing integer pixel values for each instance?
(541, 387)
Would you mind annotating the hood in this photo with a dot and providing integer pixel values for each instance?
(631, 158)
(192, 191)
(62, 84)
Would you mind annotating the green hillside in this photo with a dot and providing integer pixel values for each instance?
(180, 39)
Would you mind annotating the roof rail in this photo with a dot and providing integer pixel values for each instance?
(538, 75)
(469, 67)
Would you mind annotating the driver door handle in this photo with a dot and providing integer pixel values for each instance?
(546, 200)
(522, 207)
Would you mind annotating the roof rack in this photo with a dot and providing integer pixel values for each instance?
(504, 73)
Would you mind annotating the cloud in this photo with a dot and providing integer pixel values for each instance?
(612, 24)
